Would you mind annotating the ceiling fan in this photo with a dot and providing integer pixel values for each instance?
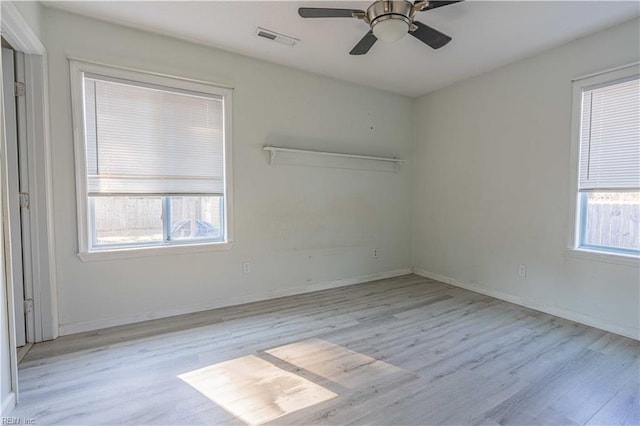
(389, 21)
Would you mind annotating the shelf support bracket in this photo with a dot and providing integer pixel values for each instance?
(272, 156)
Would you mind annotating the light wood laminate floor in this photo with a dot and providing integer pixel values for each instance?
(402, 351)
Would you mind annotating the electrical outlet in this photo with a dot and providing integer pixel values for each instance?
(375, 253)
(246, 267)
(522, 271)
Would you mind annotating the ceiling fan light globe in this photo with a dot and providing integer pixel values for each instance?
(390, 30)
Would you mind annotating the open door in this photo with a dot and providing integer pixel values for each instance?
(13, 226)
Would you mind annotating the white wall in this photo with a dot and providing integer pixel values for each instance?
(480, 208)
(31, 12)
(299, 226)
(492, 186)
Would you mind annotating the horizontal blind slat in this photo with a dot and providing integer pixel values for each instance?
(159, 185)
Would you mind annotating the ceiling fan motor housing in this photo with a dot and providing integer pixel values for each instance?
(390, 20)
(383, 10)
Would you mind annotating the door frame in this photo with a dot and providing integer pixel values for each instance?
(19, 34)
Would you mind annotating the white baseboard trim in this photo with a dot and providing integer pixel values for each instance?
(80, 327)
(568, 314)
(8, 403)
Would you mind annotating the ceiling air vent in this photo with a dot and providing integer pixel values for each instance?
(274, 36)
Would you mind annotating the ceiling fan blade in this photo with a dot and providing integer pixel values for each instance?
(364, 44)
(436, 4)
(433, 38)
(321, 12)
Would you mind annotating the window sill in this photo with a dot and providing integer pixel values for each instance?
(131, 252)
(619, 259)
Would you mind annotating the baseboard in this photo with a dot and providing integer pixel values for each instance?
(80, 327)
(568, 314)
(7, 404)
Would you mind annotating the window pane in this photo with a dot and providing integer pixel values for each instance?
(611, 220)
(126, 220)
(196, 218)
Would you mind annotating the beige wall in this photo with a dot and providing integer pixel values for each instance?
(301, 227)
(492, 188)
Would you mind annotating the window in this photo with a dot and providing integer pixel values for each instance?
(608, 204)
(151, 159)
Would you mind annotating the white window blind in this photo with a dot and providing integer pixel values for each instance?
(610, 137)
(145, 139)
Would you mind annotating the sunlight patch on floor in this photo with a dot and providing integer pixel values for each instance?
(254, 390)
(336, 363)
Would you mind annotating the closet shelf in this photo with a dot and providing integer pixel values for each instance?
(274, 150)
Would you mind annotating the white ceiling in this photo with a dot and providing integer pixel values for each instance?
(485, 35)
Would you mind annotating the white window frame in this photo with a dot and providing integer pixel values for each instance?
(573, 240)
(78, 68)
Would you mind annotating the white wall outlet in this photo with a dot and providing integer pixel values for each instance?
(522, 271)
(375, 253)
(246, 267)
